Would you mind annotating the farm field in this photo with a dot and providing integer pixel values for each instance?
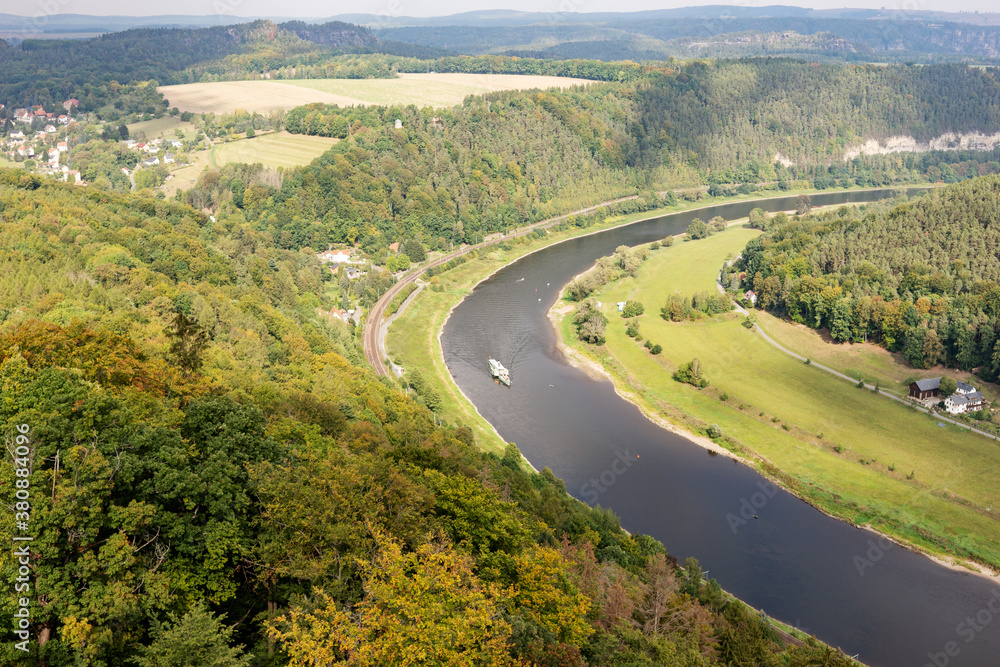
(185, 177)
(159, 127)
(898, 467)
(279, 149)
(435, 90)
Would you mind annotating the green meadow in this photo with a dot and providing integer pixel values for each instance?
(863, 457)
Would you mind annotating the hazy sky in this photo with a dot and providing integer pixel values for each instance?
(321, 8)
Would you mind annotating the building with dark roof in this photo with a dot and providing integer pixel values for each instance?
(922, 389)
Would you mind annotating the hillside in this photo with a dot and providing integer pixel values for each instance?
(488, 165)
(920, 277)
(717, 32)
(211, 476)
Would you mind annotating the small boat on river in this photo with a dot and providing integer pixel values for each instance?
(499, 372)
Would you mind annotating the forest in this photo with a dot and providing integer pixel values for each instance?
(486, 166)
(215, 477)
(920, 277)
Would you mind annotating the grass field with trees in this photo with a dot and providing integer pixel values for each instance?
(862, 457)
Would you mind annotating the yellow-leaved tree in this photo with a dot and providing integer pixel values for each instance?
(421, 608)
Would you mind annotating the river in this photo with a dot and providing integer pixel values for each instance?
(883, 603)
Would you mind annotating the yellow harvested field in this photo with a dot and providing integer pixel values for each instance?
(434, 90)
(184, 178)
(159, 127)
(273, 150)
(260, 96)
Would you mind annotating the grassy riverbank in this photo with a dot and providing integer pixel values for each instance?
(412, 340)
(858, 456)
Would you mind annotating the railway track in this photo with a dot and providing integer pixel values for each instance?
(373, 339)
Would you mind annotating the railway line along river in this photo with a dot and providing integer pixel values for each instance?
(851, 588)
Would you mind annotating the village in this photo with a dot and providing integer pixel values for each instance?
(42, 140)
(42, 137)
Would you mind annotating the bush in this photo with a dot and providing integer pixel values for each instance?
(656, 349)
(633, 330)
(691, 373)
(590, 323)
(633, 309)
(655, 245)
(667, 242)
(697, 229)
(714, 431)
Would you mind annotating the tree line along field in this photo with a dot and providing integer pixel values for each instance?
(886, 464)
(434, 90)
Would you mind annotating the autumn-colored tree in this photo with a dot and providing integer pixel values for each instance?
(420, 608)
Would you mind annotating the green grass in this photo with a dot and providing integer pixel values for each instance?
(412, 339)
(8, 163)
(867, 360)
(159, 127)
(956, 474)
(280, 149)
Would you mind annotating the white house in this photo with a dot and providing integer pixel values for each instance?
(336, 257)
(960, 403)
(62, 146)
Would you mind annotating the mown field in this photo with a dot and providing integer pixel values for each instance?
(866, 360)
(279, 149)
(858, 455)
(159, 127)
(434, 90)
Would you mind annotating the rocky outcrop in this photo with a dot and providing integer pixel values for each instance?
(949, 141)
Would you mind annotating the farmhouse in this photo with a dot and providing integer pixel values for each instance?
(964, 388)
(922, 389)
(958, 404)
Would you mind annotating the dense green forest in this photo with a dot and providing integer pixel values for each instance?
(921, 277)
(485, 166)
(214, 477)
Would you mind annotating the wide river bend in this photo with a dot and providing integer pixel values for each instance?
(794, 562)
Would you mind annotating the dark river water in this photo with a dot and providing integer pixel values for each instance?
(883, 603)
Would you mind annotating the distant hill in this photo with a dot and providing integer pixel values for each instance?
(848, 37)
